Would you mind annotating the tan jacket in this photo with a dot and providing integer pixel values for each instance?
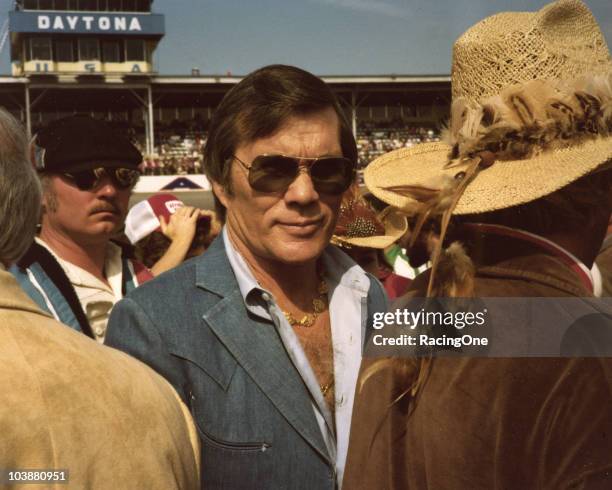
(71, 404)
(477, 423)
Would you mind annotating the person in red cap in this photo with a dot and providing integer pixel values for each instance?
(73, 270)
(165, 231)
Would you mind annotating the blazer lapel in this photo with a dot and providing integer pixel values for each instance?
(256, 346)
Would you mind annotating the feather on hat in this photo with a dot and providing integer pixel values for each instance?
(531, 113)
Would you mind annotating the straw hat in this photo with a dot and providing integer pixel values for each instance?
(359, 226)
(531, 113)
(394, 223)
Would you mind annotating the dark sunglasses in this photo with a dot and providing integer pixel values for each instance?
(85, 180)
(275, 173)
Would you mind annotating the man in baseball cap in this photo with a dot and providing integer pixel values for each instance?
(73, 270)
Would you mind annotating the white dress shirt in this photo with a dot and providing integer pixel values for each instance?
(348, 288)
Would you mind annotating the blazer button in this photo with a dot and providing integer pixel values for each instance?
(341, 400)
(266, 297)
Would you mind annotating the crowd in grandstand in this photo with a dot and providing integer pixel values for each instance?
(178, 150)
(179, 144)
(375, 139)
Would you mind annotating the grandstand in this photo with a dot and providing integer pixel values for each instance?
(96, 57)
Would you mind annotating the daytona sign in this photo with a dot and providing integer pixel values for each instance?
(86, 23)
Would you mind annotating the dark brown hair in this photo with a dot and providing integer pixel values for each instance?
(567, 209)
(151, 248)
(258, 106)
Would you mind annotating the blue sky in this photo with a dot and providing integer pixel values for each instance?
(327, 37)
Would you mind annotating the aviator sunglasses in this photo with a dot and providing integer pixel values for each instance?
(275, 173)
(85, 180)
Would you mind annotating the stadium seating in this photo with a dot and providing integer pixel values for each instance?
(376, 139)
(178, 150)
(179, 144)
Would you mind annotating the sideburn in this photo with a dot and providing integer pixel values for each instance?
(50, 202)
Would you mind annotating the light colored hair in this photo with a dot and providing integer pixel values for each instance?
(50, 201)
(20, 193)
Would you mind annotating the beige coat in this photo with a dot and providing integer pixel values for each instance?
(69, 403)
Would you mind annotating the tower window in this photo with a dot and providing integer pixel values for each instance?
(64, 51)
(111, 52)
(89, 49)
(143, 5)
(88, 5)
(134, 50)
(114, 5)
(129, 5)
(40, 48)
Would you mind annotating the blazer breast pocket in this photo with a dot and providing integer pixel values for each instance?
(232, 463)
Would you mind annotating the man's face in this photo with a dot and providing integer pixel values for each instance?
(291, 226)
(367, 258)
(84, 216)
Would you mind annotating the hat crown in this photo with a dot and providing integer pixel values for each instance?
(81, 142)
(530, 114)
(560, 42)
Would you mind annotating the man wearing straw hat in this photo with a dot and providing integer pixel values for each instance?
(516, 204)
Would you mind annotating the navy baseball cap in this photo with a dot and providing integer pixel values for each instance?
(79, 143)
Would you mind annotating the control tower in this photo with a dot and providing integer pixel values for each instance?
(110, 38)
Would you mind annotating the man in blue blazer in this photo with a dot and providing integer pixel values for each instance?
(261, 336)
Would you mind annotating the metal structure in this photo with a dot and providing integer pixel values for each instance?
(144, 101)
(95, 56)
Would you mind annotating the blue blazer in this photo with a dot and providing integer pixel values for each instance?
(252, 410)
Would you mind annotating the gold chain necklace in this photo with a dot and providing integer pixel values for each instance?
(325, 388)
(318, 306)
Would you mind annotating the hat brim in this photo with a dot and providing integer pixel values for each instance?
(395, 223)
(88, 165)
(503, 185)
